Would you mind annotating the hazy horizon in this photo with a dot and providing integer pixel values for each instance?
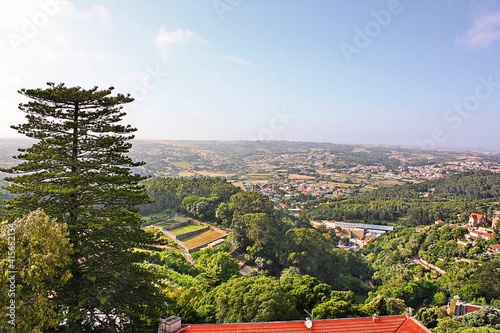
(471, 149)
(418, 74)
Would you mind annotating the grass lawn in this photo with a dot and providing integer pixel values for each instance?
(182, 164)
(158, 217)
(186, 229)
(336, 184)
(167, 223)
(203, 238)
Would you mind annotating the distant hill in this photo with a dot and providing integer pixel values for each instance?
(184, 158)
(177, 156)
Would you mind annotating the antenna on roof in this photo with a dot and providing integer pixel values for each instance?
(308, 321)
(167, 307)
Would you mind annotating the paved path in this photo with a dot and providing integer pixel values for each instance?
(425, 264)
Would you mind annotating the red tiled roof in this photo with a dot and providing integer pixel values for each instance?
(472, 308)
(384, 324)
(412, 326)
(477, 216)
(495, 247)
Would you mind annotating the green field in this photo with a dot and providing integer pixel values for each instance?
(167, 223)
(158, 217)
(186, 229)
(335, 184)
(182, 164)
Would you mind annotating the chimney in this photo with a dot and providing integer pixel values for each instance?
(169, 325)
(375, 318)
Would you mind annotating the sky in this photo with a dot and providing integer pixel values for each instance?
(414, 73)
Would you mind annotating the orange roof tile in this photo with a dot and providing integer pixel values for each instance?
(384, 324)
(477, 216)
(472, 308)
(412, 326)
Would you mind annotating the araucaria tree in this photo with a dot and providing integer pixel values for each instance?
(79, 173)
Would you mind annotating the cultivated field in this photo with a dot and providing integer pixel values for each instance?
(186, 229)
(300, 177)
(203, 238)
(215, 174)
(185, 174)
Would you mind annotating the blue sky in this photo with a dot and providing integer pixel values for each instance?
(416, 73)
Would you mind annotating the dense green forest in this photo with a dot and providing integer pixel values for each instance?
(384, 274)
(418, 204)
(469, 274)
(259, 234)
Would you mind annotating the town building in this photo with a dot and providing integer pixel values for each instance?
(475, 219)
(457, 307)
(494, 249)
(481, 233)
(374, 230)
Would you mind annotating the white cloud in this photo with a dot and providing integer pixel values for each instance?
(165, 39)
(50, 40)
(484, 32)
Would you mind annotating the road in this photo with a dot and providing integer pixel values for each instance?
(426, 265)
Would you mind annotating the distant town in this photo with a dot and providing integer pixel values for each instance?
(288, 172)
(291, 172)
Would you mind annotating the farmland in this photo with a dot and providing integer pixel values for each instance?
(192, 235)
(204, 238)
(186, 229)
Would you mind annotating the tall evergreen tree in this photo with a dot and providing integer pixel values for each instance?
(78, 172)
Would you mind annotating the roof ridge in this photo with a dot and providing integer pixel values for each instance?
(402, 323)
(415, 322)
